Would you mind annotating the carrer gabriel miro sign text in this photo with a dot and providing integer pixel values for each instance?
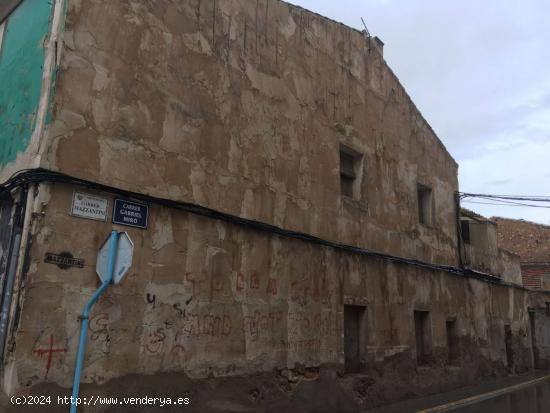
(130, 213)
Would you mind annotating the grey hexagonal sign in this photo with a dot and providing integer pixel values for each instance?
(124, 254)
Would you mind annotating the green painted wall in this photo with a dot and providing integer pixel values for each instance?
(21, 63)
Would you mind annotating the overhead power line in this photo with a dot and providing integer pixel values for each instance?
(36, 176)
(527, 201)
(534, 198)
(507, 204)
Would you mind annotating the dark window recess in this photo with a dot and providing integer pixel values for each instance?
(508, 346)
(346, 185)
(353, 320)
(534, 348)
(424, 195)
(422, 332)
(465, 230)
(349, 165)
(452, 342)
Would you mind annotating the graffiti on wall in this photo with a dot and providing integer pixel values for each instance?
(238, 284)
(177, 323)
(48, 351)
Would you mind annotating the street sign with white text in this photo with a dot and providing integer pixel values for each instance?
(130, 213)
(89, 206)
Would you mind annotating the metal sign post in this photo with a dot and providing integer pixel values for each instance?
(113, 261)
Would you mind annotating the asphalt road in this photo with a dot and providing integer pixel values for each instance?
(534, 399)
(524, 394)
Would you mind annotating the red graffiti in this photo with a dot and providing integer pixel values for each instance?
(206, 325)
(308, 346)
(220, 287)
(272, 286)
(254, 281)
(50, 351)
(196, 280)
(240, 281)
(251, 281)
(177, 349)
(304, 324)
(258, 324)
(306, 290)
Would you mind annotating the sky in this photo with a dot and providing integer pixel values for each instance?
(479, 71)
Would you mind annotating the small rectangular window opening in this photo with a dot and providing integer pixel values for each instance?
(534, 349)
(354, 337)
(508, 346)
(349, 171)
(465, 230)
(422, 329)
(452, 342)
(424, 195)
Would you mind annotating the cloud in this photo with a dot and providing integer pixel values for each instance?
(499, 182)
(514, 171)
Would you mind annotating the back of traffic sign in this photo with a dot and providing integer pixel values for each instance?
(124, 254)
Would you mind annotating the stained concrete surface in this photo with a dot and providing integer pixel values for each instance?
(201, 299)
(242, 106)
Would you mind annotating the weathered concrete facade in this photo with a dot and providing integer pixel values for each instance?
(481, 249)
(245, 108)
(211, 298)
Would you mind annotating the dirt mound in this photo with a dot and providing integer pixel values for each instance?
(290, 390)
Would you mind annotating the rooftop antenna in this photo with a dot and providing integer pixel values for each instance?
(366, 31)
(367, 34)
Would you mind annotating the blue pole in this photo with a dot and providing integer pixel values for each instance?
(113, 242)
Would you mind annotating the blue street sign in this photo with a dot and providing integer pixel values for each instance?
(130, 213)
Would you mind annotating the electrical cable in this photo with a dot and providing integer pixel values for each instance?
(513, 204)
(25, 177)
(534, 198)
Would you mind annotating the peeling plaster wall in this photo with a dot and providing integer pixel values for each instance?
(241, 106)
(482, 252)
(21, 64)
(509, 266)
(211, 298)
